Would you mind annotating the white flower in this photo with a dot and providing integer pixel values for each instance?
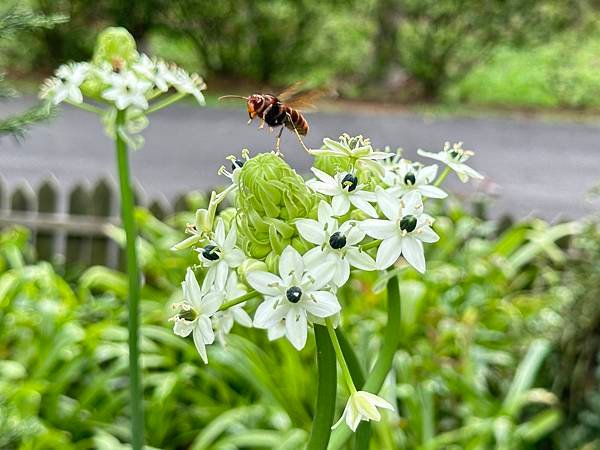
(296, 292)
(344, 190)
(126, 89)
(221, 254)
(406, 176)
(187, 84)
(334, 242)
(357, 149)
(194, 313)
(455, 158)
(223, 320)
(66, 84)
(362, 406)
(155, 71)
(404, 232)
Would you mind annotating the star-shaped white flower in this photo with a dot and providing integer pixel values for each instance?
(344, 188)
(187, 84)
(339, 243)
(404, 231)
(126, 89)
(221, 254)
(455, 157)
(154, 70)
(362, 405)
(297, 292)
(358, 149)
(66, 83)
(195, 311)
(223, 320)
(406, 176)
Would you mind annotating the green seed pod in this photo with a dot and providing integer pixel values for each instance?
(250, 265)
(271, 195)
(115, 45)
(332, 164)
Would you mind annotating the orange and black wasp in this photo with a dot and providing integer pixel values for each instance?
(283, 110)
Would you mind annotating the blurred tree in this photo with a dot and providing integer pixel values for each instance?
(12, 21)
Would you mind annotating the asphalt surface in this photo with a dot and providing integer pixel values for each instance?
(540, 168)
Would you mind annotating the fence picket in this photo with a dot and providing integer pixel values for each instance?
(47, 203)
(78, 247)
(103, 199)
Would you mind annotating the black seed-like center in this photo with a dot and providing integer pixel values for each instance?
(237, 164)
(350, 181)
(410, 179)
(454, 154)
(209, 252)
(190, 315)
(294, 294)
(337, 240)
(408, 223)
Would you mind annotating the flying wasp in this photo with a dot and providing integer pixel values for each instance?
(282, 111)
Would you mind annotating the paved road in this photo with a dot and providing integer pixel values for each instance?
(537, 168)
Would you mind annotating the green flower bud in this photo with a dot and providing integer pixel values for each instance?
(116, 46)
(332, 164)
(271, 195)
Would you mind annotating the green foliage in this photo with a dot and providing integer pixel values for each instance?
(475, 330)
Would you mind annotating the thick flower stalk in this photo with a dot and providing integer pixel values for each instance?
(123, 87)
(287, 247)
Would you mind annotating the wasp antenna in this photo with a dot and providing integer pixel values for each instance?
(233, 96)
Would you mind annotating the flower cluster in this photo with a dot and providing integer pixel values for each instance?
(120, 77)
(288, 245)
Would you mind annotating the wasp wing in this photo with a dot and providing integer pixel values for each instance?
(297, 97)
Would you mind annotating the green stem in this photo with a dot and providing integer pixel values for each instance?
(340, 357)
(166, 102)
(391, 340)
(442, 176)
(369, 245)
(127, 213)
(326, 391)
(238, 300)
(87, 107)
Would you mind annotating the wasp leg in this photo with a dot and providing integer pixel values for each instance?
(278, 142)
(262, 124)
(297, 134)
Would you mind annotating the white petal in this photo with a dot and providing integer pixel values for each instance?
(311, 230)
(231, 238)
(191, 290)
(325, 213)
(182, 327)
(378, 228)
(413, 203)
(242, 317)
(291, 266)
(324, 177)
(390, 206)
(427, 174)
(441, 156)
(389, 251)
(360, 260)
(340, 204)
(296, 327)
(426, 234)
(320, 273)
(377, 401)
(412, 250)
(220, 233)
(234, 257)
(322, 304)
(323, 188)
(211, 303)
(431, 191)
(361, 203)
(265, 282)
(341, 273)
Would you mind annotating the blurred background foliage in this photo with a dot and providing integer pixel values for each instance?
(500, 349)
(516, 53)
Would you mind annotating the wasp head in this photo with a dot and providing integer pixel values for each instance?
(255, 102)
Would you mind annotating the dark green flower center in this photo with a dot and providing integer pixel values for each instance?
(237, 164)
(337, 240)
(210, 252)
(410, 179)
(350, 182)
(454, 154)
(294, 294)
(189, 315)
(408, 223)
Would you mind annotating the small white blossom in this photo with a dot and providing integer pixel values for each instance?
(187, 84)
(404, 231)
(406, 176)
(295, 293)
(358, 149)
(221, 254)
(455, 157)
(223, 320)
(126, 89)
(66, 83)
(155, 71)
(344, 188)
(339, 243)
(195, 311)
(362, 405)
